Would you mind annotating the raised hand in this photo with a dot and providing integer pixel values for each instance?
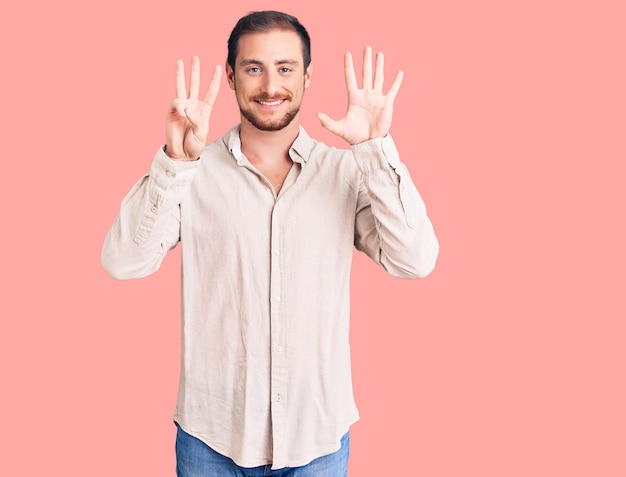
(187, 122)
(369, 110)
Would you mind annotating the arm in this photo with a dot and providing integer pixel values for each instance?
(148, 224)
(392, 226)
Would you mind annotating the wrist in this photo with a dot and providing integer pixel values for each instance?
(177, 157)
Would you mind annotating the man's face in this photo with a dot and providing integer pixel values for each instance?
(269, 78)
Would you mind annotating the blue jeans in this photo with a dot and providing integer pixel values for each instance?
(195, 459)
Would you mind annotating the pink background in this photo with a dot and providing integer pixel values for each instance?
(509, 360)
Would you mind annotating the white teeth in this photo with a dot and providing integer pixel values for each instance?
(271, 103)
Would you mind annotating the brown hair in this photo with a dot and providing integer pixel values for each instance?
(266, 21)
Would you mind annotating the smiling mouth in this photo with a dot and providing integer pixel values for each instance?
(271, 104)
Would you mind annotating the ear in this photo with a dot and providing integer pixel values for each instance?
(307, 76)
(230, 75)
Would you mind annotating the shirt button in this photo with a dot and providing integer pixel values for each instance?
(278, 299)
(278, 397)
(154, 208)
(171, 174)
(279, 348)
(276, 252)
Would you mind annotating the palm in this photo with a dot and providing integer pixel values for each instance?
(369, 111)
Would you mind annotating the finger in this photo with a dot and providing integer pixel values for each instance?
(214, 86)
(194, 81)
(181, 92)
(348, 67)
(367, 67)
(395, 86)
(330, 124)
(379, 78)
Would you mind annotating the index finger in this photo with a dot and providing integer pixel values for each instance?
(181, 92)
(348, 68)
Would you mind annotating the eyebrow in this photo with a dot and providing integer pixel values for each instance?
(277, 62)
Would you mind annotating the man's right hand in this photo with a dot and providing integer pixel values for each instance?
(187, 123)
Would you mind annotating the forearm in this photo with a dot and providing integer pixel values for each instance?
(392, 225)
(148, 223)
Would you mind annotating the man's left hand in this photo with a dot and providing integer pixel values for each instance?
(369, 110)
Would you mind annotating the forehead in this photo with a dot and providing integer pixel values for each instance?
(275, 45)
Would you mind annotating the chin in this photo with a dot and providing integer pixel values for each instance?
(271, 125)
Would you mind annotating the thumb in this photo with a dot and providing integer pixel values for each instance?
(330, 124)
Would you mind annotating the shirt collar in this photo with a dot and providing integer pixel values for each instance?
(298, 152)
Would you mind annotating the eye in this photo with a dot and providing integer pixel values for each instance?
(253, 69)
(285, 69)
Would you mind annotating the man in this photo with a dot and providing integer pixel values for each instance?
(268, 219)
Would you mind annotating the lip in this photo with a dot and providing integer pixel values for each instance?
(270, 104)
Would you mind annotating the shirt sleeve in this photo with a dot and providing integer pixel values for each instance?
(148, 224)
(392, 226)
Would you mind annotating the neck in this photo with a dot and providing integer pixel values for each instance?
(268, 146)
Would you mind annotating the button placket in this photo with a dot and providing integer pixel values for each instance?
(277, 334)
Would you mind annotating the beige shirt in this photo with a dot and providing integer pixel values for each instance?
(265, 372)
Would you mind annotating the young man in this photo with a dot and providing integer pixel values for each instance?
(268, 219)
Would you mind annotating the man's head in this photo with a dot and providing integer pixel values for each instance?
(268, 67)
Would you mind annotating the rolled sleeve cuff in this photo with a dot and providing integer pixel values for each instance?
(375, 154)
(168, 173)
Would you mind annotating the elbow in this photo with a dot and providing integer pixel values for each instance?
(422, 270)
(114, 268)
(425, 257)
(418, 270)
(120, 266)
(426, 261)
(121, 271)
(419, 265)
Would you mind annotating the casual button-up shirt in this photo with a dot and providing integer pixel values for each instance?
(265, 369)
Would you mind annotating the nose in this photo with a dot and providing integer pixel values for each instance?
(271, 83)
